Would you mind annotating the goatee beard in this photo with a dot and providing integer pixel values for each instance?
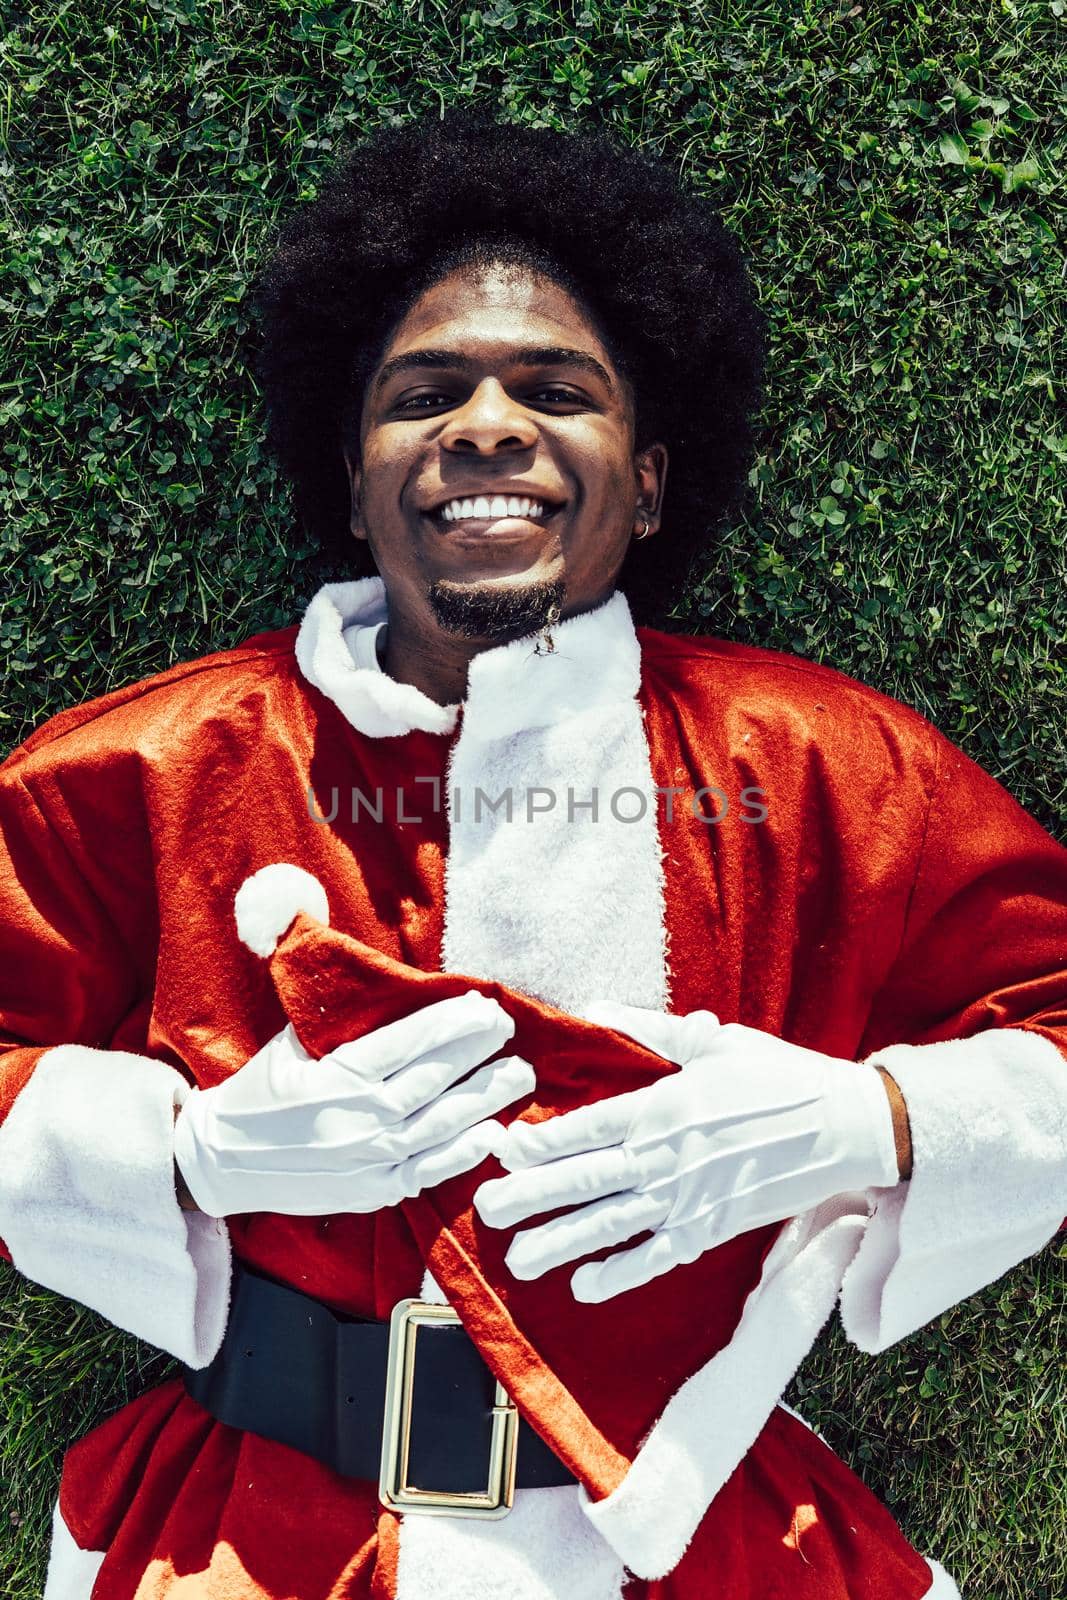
(496, 613)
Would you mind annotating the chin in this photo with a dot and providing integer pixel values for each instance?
(503, 607)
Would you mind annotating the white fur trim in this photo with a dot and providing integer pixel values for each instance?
(711, 1422)
(988, 1188)
(544, 1549)
(554, 903)
(267, 902)
(87, 1201)
(71, 1570)
(368, 698)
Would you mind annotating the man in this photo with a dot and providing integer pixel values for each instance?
(272, 916)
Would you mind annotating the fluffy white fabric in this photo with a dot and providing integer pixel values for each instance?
(988, 1188)
(87, 1201)
(370, 700)
(714, 1418)
(71, 1570)
(362, 641)
(267, 902)
(553, 731)
(543, 1550)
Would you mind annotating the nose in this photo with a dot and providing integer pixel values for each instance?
(488, 422)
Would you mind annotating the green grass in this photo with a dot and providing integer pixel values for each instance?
(895, 174)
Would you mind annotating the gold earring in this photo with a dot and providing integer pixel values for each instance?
(647, 528)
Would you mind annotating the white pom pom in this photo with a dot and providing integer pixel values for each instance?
(267, 902)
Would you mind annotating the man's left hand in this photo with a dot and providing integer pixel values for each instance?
(752, 1130)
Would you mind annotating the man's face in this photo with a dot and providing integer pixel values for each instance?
(497, 473)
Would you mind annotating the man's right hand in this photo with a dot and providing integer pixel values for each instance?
(370, 1124)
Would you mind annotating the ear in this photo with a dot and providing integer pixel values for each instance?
(354, 473)
(650, 474)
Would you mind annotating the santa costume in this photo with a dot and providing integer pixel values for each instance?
(282, 833)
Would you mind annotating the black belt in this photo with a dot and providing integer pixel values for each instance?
(295, 1372)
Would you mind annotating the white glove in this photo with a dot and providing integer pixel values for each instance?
(752, 1130)
(368, 1125)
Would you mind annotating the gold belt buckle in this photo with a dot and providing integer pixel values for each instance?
(394, 1491)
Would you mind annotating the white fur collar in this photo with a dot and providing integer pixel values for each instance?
(368, 698)
(542, 892)
(596, 662)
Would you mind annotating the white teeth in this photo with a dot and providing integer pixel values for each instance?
(498, 506)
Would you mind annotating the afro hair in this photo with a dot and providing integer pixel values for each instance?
(663, 281)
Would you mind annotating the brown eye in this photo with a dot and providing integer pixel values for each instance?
(554, 395)
(416, 402)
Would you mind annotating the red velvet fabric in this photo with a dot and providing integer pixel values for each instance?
(192, 1510)
(895, 893)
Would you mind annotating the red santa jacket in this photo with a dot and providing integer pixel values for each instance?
(686, 823)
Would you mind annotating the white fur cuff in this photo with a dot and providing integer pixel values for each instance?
(71, 1570)
(989, 1180)
(87, 1201)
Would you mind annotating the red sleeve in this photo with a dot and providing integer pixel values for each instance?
(67, 972)
(985, 938)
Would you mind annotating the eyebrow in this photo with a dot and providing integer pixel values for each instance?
(543, 356)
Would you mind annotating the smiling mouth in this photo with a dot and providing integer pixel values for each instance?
(496, 515)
